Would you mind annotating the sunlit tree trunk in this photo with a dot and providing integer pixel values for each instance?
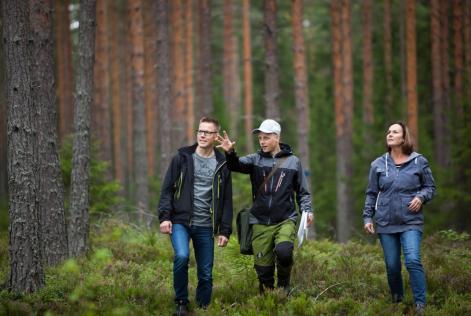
(272, 89)
(163, 83)
(467, 52)
(411, 57)
(188, 52)
(204, 83)
(388, 100)
(78, 223)
(445, 67)
(247, 63)
(51, 186)
(26, 267)
(402, 50)
(367, 71)
(65, 80)
(150, 62)
(101, 114)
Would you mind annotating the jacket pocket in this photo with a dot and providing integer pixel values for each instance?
(409, 217)
(382, 216)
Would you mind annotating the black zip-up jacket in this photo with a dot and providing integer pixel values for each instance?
(176, 198)
(276, 202)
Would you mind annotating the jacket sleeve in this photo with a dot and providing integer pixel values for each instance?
(427, 191)
(227, 210)
(371, 196)
(167, 191)
(303, 197)
(243, 165)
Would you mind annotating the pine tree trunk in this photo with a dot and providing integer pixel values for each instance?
(247, 61)
(343, 100)
(204, 83)
(445, 67)
(458, 6)
(51, 186)
(26, 268)
(3, 124)
(150, 61)
(101, 114)
(79, 199)
(272, 89)
(65, 76)
(368, 117)
(231, 84)
(163, 84)
(116, 87)
(178, 83)
(388, 100)
(188, 52)
(437, 94)
(402, 50)
(467, 53)
(301, 92)
(412, 112)
(139, 115)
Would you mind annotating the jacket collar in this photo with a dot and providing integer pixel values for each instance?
(190, 150)
(285, 150)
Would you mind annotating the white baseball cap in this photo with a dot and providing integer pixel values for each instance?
(268, 126)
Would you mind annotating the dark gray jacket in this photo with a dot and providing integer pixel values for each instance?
(391, 189)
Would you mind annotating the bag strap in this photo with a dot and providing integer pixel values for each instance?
(272, 172)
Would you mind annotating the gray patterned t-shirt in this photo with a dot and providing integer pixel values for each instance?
(203, 188)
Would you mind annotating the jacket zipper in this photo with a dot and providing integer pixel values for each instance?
(271, 191)
(213, 204)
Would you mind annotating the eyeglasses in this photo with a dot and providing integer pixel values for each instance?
(205, 133)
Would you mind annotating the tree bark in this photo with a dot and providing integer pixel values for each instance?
(65, 76)
(79, 199)
(150, 73)
(458, 6)
(3, 124)
(388, 100)
(411, 57)
(445, 66)
(343, 95)
(368, 118)
(272, 89)
(101, 118)
(204, 84)
(51, 186)
(178, 80)
(139, 123)
(26, 267)
(163, 84)
(116, 86)
(247, 63)
(189, 91)
(231, 84)
(467, 52)
(301, 92)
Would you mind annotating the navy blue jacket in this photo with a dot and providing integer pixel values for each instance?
(176, 197)
(391, 189)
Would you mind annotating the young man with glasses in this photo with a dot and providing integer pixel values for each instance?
(196, 204)
(278, 180)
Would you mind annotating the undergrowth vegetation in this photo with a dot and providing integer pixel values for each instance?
(128, 271)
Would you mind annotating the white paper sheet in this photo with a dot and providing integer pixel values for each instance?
(302, 231)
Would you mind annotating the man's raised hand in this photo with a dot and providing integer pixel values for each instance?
(225, 143)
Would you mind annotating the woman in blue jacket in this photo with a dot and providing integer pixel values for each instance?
(400, 182)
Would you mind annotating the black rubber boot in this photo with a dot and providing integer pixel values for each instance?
(266, 276)
(284, 264)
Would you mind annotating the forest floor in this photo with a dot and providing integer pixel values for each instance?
(128, 271)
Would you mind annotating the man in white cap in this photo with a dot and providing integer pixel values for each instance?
(278, 181)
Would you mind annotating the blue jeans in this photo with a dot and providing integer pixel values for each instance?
(203, 245)
(410, 243)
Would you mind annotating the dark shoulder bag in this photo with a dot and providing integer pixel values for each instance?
(244, 228)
